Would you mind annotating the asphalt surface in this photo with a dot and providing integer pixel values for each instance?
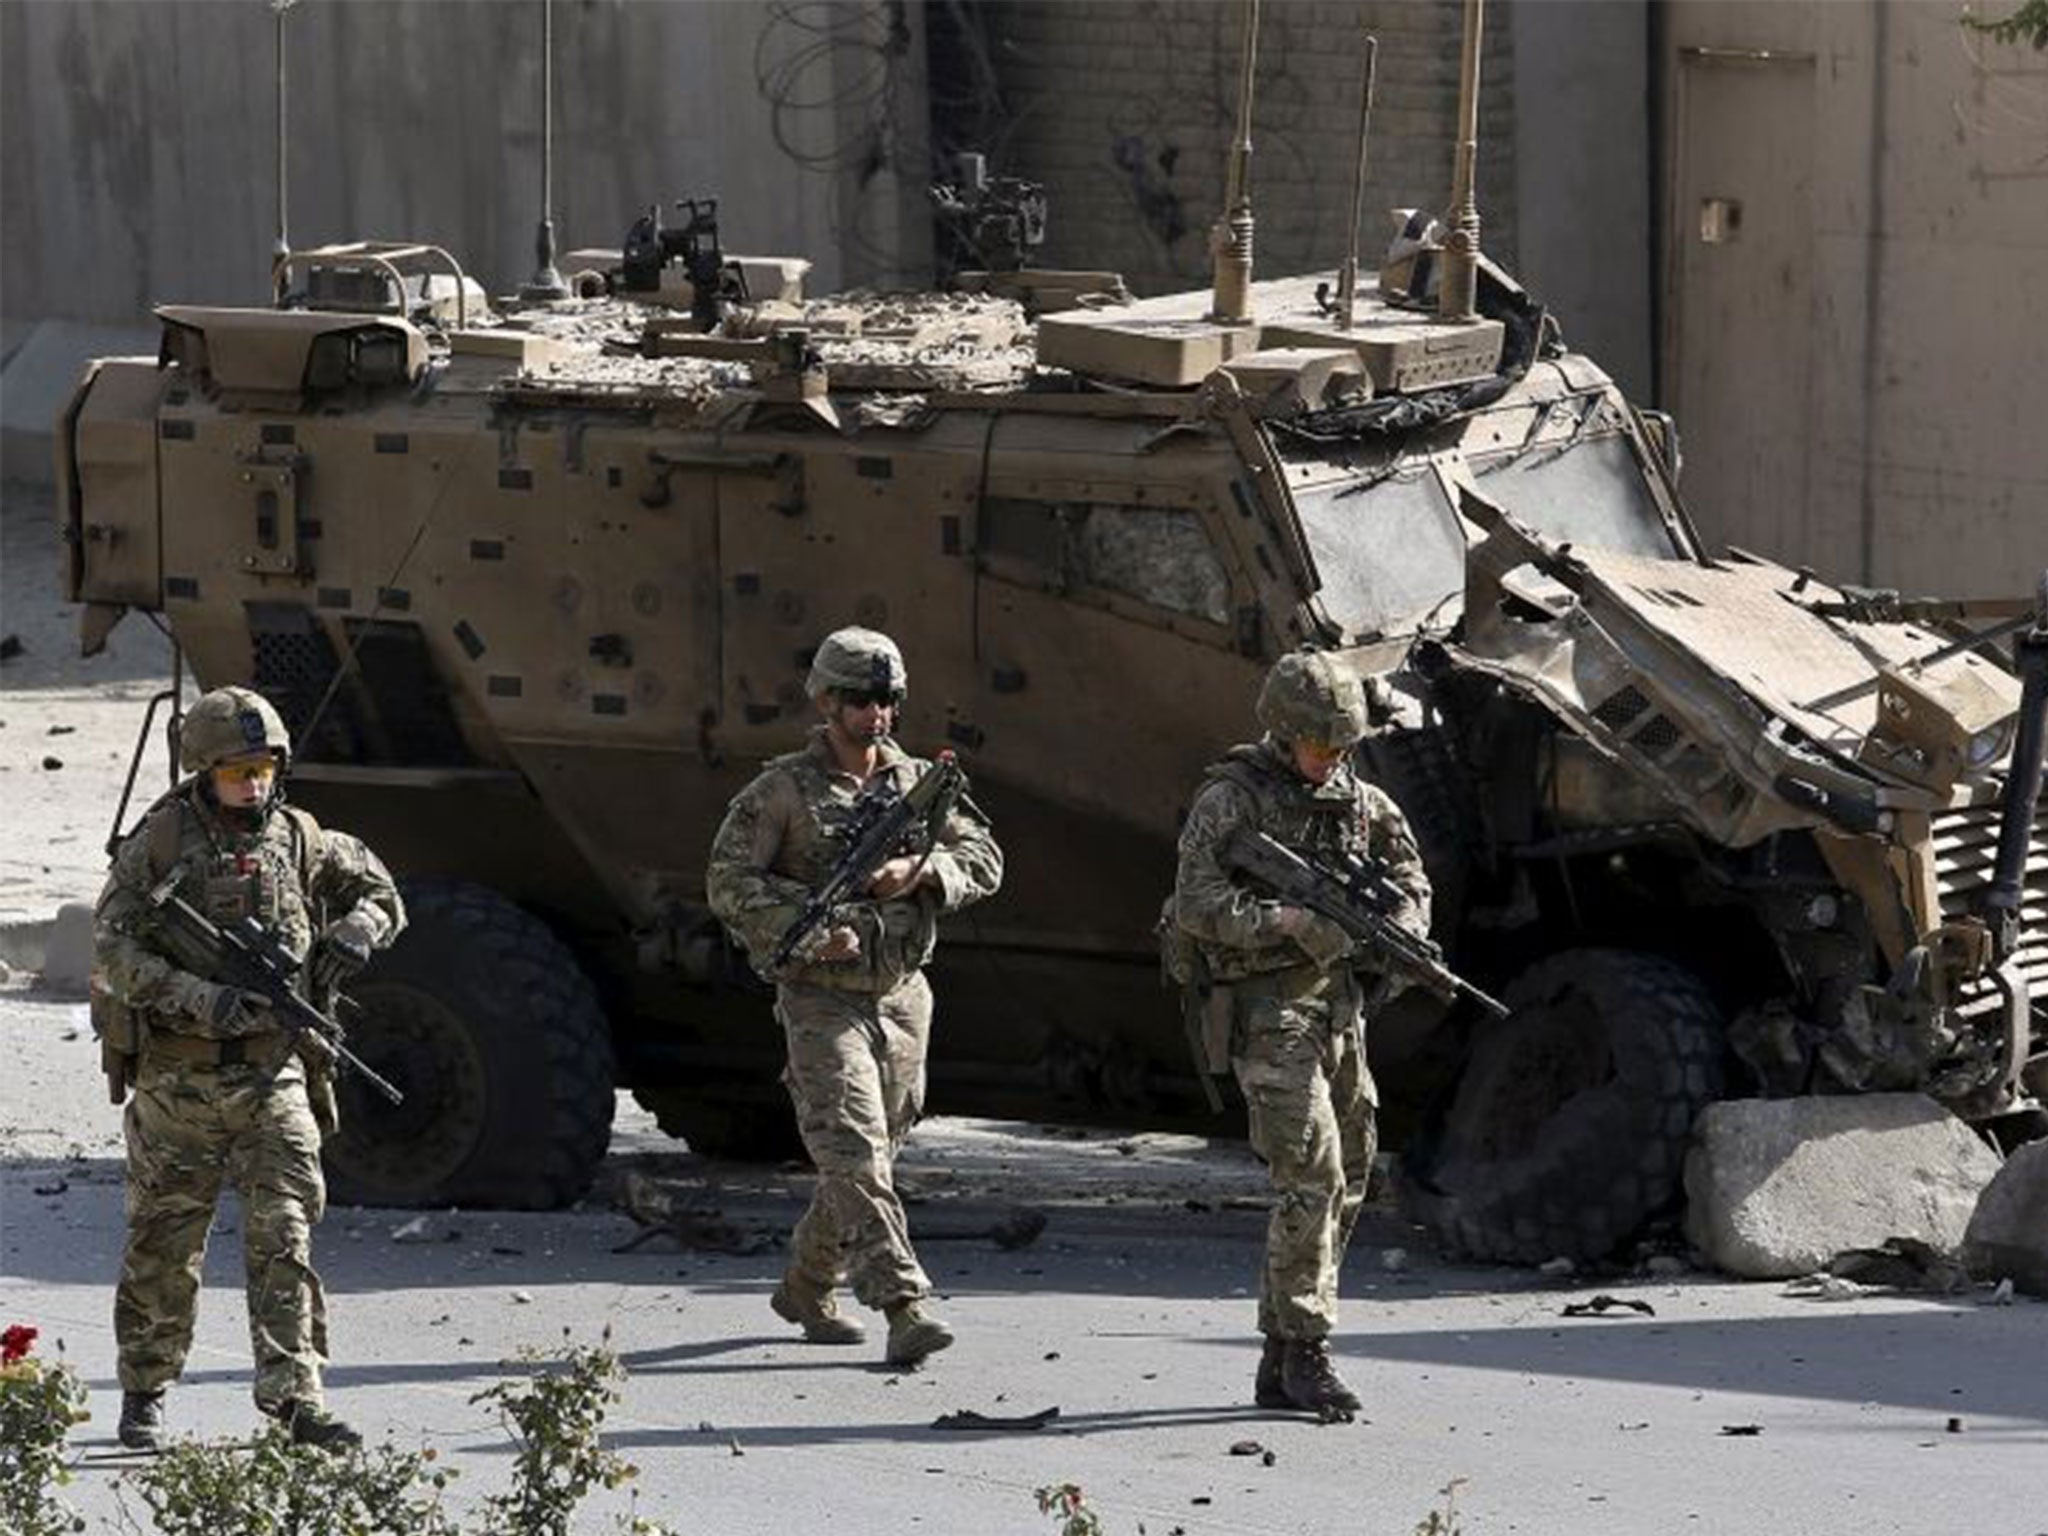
(1732, 1408)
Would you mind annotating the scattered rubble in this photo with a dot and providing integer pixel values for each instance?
(1601, 1305)
(2007, 1239)
(701, 1228)
(1902, 1264)
(966, 1419)
(1778, 1187)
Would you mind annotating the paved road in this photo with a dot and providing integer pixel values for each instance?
(1130, 1315)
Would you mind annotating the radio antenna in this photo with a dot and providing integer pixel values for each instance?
(1458, 292)
(1230, 240)
(282, 246)
(546, 283)
(1347, 283)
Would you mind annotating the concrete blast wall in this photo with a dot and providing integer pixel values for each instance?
(140, 163)
(1857, 225)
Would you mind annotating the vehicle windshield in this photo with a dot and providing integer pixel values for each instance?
(1590, 492)
(1386, 543)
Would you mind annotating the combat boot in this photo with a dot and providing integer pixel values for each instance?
(914, 1333)
(1267, 1391)
(313, 1425)
(1311, 1382)
(819, 1316)
(142, 1421)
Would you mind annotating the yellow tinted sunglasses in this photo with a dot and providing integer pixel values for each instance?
(247, 772)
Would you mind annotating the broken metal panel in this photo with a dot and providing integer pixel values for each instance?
(1738, 666)
(111, 525)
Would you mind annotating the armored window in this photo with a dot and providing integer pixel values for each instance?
(1160, 556)
(1590, 492)
(1387, 546)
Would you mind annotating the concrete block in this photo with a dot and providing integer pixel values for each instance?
(2008, 1234)
(67, 956)
(1778, 1187)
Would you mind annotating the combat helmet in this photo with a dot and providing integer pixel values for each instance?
(1308, 697)
(856, 660)
(231, 722)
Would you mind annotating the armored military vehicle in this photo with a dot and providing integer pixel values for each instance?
(536, 586)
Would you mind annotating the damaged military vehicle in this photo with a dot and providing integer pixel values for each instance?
(536, 586)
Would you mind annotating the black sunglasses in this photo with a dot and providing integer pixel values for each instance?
(862, 698)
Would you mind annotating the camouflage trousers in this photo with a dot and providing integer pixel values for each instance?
(189, 1129)
(856, 1076)
(1315, 1121)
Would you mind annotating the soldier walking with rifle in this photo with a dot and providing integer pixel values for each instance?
(831, 869)
(227, 924)
(1274, 993)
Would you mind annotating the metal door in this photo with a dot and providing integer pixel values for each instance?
(1737, 365)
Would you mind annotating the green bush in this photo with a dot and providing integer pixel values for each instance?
(39, 1402)
(276, 1488)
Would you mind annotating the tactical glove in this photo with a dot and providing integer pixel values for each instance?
(1314, 935)
(232, 1013)
(341, 951)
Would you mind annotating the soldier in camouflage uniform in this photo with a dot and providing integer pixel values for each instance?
(218, 1091)
(1284, 989)
(853, 1002)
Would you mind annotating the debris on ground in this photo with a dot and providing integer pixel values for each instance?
(1824, 1287)
(967, 1419)
(1903, 1263)
(10, 647)
(699, 1228)
(1557, 1268)
(1742, 1429)
(1246, 1448)
(1017, 1227)
(1601, 1305)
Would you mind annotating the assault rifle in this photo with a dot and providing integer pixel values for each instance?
(1358, 895)
(249, 957)
(885, 823)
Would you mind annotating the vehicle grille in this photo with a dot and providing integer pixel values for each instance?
(1965, 848)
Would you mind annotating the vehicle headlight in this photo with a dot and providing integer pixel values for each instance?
(1990, 744)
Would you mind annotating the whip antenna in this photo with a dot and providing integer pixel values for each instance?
(1231, 238)
(1458, 295)
(546, 283)
(282, 247)
(1347, 284)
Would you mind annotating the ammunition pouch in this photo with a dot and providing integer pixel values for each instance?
(120, 1037)
(1206, 1011)
(320, 1093)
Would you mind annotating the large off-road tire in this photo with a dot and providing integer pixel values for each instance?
(744, 1130)
(486, 1023)
(1568, 1129)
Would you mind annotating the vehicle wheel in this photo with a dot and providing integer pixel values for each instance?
(744, 1130)
(486, 1023)
(1568, 1128)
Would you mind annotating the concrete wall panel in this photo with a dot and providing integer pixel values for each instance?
(1929, 469)
(140, 137)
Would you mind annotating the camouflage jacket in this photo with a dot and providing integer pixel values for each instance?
(289, 874)
(782, 835)
(1236, 927)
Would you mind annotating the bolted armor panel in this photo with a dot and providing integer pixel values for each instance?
(231, 722)
(1309, 697)
(858, 661)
